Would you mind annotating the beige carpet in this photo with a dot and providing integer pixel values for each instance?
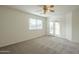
(43, 45)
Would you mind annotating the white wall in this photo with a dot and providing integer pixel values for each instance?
(14, 26)
(75, 25)
(69, 26)
(72, 26)
(63, 27)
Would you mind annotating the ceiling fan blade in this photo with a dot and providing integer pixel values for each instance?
(45, 9)
(51, 6)
(52, 11)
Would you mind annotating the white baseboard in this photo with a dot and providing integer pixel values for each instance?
(7, 44)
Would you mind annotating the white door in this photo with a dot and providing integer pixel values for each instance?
(54, 28)
(51, 28)
(57, 29)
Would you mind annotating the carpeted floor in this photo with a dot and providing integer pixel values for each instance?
(42, 45)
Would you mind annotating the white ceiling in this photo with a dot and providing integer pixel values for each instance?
(37, 9)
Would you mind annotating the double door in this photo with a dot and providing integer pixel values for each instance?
(54, 28)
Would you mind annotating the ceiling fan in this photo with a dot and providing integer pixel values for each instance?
(48, 8)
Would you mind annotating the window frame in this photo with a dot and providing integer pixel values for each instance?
(37, 23)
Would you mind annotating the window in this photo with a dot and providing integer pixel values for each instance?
(54, 28)
(39, 24)
(32, 24)
(51, 27)
(35, 24)
(57, 28)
